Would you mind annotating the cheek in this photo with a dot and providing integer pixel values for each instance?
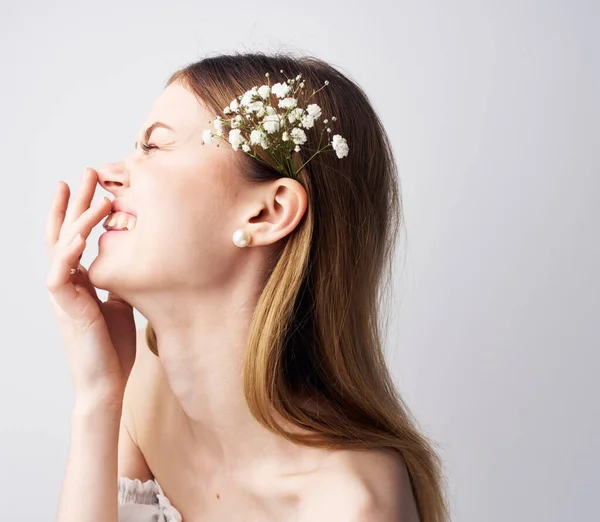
(190, 216)
(187, 205)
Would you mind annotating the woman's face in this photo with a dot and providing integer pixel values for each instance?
(188, 199)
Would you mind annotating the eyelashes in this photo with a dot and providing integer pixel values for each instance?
(146, 148)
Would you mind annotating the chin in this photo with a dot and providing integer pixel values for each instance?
(107, 277)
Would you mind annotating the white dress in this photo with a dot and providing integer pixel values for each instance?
(144, 502)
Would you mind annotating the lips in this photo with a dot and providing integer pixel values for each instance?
(120, 205)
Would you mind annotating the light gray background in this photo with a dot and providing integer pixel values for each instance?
(493, 112)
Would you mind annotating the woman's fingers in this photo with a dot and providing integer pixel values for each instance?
(66, 254)
(83, 198)
(88, 219)
(64, 214)
(56, 216)
(58, 280)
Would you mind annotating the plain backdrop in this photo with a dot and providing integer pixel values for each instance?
(492, 108)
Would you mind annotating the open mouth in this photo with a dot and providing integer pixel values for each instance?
(119, 222)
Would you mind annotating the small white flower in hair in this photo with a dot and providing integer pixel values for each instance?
(256, 137)
(298, 136)
(339, 145)
(235, 138)
(264, 91)
(288, 103)
(307, 121)
(281, 128)
(295, 115)
(248, 96)
(218, 123)
(255, 106)
(314, 110)
(271, 123)
(280, 89)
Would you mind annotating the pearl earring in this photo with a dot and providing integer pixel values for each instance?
(241, 238)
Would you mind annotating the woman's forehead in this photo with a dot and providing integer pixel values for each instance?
(179, 108)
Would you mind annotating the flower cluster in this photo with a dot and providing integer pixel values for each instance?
(255, 122)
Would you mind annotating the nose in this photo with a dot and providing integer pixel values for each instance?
(113, 177)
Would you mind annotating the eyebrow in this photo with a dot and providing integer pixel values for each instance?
(149, 130)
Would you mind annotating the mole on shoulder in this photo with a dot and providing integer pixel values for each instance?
(218, 496)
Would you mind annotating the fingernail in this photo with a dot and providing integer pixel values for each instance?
(102, 201)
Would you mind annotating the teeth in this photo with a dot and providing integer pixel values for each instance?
(120, 221)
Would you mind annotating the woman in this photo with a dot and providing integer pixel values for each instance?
(259, 389)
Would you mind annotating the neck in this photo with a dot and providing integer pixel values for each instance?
(202, 345)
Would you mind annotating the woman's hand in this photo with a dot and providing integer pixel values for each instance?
(99, 337)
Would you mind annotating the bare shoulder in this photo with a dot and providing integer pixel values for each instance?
(361, 486)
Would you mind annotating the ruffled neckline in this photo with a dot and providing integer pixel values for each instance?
(148, 492)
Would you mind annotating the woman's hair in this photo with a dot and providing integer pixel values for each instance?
(314, 338)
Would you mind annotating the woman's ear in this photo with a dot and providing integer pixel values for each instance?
(282, 205)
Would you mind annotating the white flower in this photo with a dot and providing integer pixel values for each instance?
(256, 136)
(248, 95)
(314, 110)
(235, 138)
(296, 114)
(340, 145)
(271, 123)
(288, 103)
(298, 136)
(254, 106)
(264, 91)
(280, 89)
(308, 121)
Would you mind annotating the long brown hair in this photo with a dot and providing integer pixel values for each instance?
(315, 332)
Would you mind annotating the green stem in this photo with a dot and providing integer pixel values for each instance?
(308, 160)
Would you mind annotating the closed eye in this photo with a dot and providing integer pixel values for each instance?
(147, 147)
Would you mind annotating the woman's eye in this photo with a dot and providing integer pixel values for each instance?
(147, 147)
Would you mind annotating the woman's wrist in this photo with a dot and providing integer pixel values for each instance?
(98, 405)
